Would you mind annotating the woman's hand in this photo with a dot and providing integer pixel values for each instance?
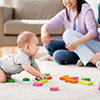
(71, 46)
(45, 38)
(95, 58)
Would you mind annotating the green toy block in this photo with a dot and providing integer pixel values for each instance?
(10, 80)
(86, 79)
(26, 79)
(47, 74)
(65, 75)
(43, 81)
(99, 68)
(85, 82)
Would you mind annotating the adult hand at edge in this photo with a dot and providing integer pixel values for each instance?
(95, 58)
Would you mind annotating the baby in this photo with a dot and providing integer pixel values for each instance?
(23, 60)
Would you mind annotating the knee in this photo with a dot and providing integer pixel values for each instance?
(67, 35)
(57, 57)
(2, 80)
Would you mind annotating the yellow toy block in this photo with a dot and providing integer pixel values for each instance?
(65, 75)
(85, 82)
(42, 81)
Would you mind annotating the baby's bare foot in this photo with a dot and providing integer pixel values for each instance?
(47, 57)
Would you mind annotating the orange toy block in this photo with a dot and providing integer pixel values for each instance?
(63, 78)
(71, 80)
(49, 77)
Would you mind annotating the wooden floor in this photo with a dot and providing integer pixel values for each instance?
(4, 51)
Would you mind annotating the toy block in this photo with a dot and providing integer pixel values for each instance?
(49, 77)
(28, 82)
(37, 84)
(63, 78)
(26, 79)
(71, 81)
(75, 77)
(86, 79)
(99, 87)
(43, 81)
(56, 88)
(65, 75)
(10, 80)
(99, 68)
(47, 74)
(85, 82)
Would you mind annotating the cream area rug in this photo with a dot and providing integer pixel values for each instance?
(67, 91)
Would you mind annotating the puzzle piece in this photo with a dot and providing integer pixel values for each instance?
(10, 80)
(56, 88)
(28, 82)
(47, 74)
(85, 82)
(63, 78)
(65, 75)
(26, 79)
(71, 81)
(37, 84)
(43, 81)
(49, 77)
(86, 79)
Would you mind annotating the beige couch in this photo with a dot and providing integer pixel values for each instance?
(27, 15)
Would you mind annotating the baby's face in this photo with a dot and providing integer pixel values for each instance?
(34, 46)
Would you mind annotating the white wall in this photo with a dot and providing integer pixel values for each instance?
(1, 2)
(94, 5)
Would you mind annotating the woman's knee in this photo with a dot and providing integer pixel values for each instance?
(57, 57)
(67, 35)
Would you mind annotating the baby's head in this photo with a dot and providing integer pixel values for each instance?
(27, 42)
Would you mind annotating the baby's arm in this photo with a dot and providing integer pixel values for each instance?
(37, 68)
(33, 71)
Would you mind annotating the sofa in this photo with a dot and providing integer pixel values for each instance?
(27, 15)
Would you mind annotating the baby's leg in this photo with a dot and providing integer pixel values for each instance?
(2, 76)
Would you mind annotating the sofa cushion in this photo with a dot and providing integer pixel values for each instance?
(14, 27)
(36, 9)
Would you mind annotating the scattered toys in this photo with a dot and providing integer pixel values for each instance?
(85, 82)
(28, 82)
(37, 84)
(65, 75)
(56, 88)
(86, 79)
(42, 81)
(26, 79)
(49, 77)
(10, 80)
(71, 81)
(47, 74)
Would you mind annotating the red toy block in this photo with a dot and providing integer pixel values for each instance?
(49, 77)
(56, 88)
(37, 84)
(63, 78)
(71, 80)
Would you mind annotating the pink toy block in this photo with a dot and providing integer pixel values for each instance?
(37, 84)
(56, 88)
(75, 77)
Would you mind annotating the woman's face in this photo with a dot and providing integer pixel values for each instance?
(71, 4)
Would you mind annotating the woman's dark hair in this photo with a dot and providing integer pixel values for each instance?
(79, 4)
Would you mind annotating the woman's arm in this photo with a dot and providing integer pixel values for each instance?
(71, 46)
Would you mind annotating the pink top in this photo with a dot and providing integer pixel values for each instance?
(85, 22)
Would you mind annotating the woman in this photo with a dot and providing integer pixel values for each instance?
(81, 27)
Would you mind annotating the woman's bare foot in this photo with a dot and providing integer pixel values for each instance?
(47, 57)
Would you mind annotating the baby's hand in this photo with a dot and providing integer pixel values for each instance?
(42, 76)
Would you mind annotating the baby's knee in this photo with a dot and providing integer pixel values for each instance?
(2, 80)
